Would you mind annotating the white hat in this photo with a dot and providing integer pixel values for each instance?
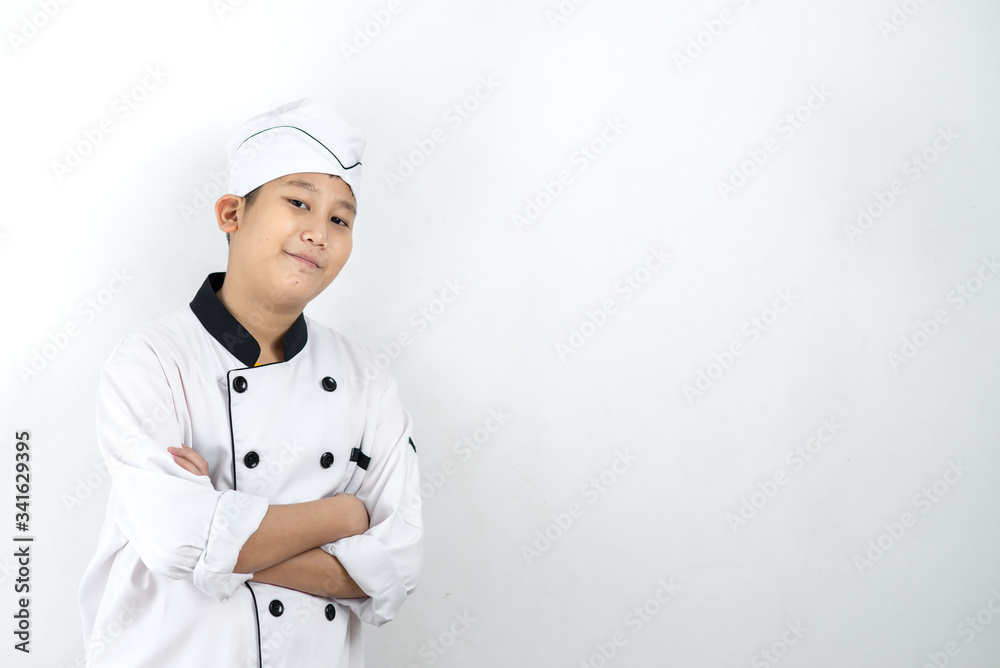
(307, 135)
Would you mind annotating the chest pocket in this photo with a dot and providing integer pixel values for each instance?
(356, 471)
(293, 432)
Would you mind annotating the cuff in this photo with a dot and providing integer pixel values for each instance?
(237, 516)
(372, 568)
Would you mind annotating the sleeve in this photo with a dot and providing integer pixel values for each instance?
(180, 526)
(387, 560)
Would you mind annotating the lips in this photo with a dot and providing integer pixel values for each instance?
(305, 259)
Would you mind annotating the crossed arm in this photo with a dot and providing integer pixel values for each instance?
(284, 550)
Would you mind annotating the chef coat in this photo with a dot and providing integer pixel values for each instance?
(160, 590)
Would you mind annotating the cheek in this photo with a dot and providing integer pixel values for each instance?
(345, 244)
(343, 252)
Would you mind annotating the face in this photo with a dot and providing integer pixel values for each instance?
(294, 240)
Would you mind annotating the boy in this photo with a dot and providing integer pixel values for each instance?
(265, 486)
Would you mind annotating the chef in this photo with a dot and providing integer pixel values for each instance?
(264, 497)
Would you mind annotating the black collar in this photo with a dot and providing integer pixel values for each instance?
(228, 331)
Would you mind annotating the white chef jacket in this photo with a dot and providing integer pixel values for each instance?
(160, 590)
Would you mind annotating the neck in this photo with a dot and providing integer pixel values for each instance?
(266, 321)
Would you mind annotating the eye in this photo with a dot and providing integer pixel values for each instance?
(296, 203)
(340, 221)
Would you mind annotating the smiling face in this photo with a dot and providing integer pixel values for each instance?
(292, 242)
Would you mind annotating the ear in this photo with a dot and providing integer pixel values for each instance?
(226, 210)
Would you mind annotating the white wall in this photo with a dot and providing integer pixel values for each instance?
(818, 552)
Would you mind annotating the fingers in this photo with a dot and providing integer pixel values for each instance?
(189, 460)
(187, 466)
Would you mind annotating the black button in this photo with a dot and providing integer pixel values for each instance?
(276, 608)
(326, 461)
(329, 384)
(251, 459)
(331, 611)
(240, 384)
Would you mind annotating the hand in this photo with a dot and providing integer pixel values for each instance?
(188, 459)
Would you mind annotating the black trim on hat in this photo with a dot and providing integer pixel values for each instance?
(306, 134)
(228, 331)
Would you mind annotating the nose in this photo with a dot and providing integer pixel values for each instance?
(315, 231)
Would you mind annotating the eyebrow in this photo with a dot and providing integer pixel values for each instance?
(310, 186)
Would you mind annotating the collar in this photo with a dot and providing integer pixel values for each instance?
(228, 331)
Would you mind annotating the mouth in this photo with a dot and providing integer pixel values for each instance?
(304, 259)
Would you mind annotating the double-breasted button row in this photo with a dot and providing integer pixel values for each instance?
(240, 384)
(277, 609)
(252, 459)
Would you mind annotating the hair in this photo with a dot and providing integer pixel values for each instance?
(248, 201)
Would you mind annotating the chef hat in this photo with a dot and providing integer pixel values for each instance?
(307, 135)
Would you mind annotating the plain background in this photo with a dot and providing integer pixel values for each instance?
(607, 483)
